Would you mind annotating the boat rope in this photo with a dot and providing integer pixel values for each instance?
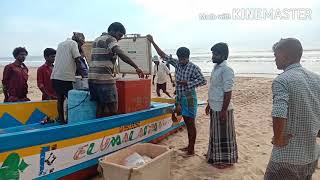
(80, 102)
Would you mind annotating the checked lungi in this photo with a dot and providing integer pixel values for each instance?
(286, 171)
(222, 147)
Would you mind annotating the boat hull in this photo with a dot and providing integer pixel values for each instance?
(56, 151)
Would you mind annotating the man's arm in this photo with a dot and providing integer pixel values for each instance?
(5, 82)
(279, 113)
(227, 78)
(159, 51)
(153, 79)
(163, 55)
(79, 67)
(40, 82)
(126, 59)
(77, 56)
(197, 78)
(226, 100)
(280, 139)
(154, 73)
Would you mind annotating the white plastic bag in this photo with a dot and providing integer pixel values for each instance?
(146, 158)
(134, 160)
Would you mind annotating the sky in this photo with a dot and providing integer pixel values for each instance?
(39, 24)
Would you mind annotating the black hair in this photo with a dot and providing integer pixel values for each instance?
(183, 52)
(48, 52)
(117, 27)
(18, 50)
(221, 49)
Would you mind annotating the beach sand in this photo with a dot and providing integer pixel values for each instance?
(252, 100)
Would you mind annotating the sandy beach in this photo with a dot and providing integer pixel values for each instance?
(252, 100)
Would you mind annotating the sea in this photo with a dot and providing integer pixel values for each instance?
(258, 63)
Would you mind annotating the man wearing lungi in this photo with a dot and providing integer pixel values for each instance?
(188, 77)
(222, 149)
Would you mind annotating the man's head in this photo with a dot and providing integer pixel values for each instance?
(155, 59)
(79, 38)
(49, 55)
(183, 54)
(116, 30)
(20, 54)
(220, 52)
(287, 51)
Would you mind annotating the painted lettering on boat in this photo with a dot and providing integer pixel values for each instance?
(58, 156)
(117, 140)
(130, 126)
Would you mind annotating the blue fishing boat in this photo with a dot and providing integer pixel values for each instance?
(31, 150)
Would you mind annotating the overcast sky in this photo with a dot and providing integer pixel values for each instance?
(39, 24)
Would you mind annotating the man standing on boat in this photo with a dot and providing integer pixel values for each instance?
(44, 73)
(105, 50)
(15, 77)
(188, 77)
(67, 61)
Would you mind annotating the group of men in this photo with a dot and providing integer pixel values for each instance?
(295, 112)
(296, 96)
(55, 81)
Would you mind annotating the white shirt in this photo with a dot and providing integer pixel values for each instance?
(161, 73)
(65, 65)
(221, 81)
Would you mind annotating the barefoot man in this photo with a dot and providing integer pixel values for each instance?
(188, 77)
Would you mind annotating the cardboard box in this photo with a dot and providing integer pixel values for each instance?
(156, 169)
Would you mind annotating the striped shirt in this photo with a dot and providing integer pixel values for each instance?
(296, 97)
(189, 72)
(103, 60)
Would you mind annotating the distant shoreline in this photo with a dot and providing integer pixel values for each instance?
(206, 74)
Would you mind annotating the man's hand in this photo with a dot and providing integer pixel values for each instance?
(140, 73)
(223, 115)
(150, 38)
(184, 83)
(208, 109)
(282, 141)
